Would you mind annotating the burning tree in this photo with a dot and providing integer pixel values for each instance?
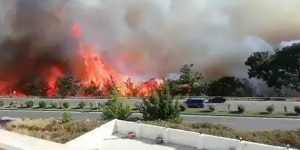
(67, 86)
(34, 87)
(92, 89)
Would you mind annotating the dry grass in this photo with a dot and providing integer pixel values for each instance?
(51, 130)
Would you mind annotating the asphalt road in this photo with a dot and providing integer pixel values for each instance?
(249, 105)
(241, 123)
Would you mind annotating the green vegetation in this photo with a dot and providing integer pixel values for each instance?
(66, 105)
(270, 108)
(115, 108)
(189, 82)
(81, 105)
(211, 108)
(280, 69)
(67, 117)
(42, 104)
(229, 86)
(241, 108)
(2, 104)
(67, 86)
(53, 104)
(29, 104)
(297, 109)
(159, 106)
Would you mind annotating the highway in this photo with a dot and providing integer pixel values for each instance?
(249, 105)
(240, 123)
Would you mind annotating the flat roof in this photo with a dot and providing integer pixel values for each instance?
(118, 142)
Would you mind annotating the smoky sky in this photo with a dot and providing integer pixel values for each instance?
(146, 38)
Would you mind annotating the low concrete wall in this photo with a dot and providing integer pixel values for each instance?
(183, 137)
(193, 139)
(93, 139)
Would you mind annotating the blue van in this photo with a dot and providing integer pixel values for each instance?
(195, 102)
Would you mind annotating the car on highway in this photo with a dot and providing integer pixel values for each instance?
(195, 102)
(217, 100)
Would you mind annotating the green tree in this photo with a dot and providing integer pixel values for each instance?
(67, 85)
(229, 86)
(34, 87)
(189, 82)
(115, 108)
(159, 106)
(279, 69)
(92, 89)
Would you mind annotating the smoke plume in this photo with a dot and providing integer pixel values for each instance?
(143, 38)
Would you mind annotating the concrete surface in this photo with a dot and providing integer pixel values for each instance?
(116, 142)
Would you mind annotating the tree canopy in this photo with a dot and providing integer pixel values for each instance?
(189, 82)
(280, 69)
(229, 86)
(67, 85)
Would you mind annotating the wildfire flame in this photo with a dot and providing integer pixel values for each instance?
(92, 68)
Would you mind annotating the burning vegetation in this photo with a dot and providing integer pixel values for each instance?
(46, 51)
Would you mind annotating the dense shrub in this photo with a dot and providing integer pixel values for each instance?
(91, 106)
(53, 104)
(1, 103)
(67, 117)
(42, 104)
(211, 108)
(297, 109)
(66, 104)
(270, 108)
(159, 106)
(29, 104)
(116, 108)
(241, 108)
(81, 105)
(182, 107)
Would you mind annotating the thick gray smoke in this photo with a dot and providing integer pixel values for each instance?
(156, 37)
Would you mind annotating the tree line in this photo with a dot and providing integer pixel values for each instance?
(280, 68)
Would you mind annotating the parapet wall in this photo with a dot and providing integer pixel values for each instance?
(193, 139)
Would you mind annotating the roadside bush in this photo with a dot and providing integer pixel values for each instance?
(241, 108)
(182, 107)
(66, 104)
(91, 106)
(81, 105)
(53, 104)
(297, 109)
(211, 108)
(67, 117)
(11, 104)
(42, 104)
(1, 103)
(159, 106)
(29, 104)
(115, 108)
(270, 108)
